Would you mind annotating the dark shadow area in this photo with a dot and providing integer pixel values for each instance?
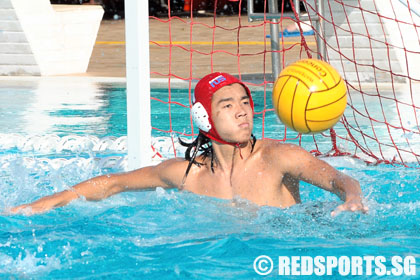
(159, 8)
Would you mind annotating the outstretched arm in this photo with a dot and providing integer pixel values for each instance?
(164, 175)
(304, 166)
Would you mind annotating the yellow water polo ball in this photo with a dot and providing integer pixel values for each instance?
(309, 96)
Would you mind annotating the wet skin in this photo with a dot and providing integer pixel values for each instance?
(269, 175)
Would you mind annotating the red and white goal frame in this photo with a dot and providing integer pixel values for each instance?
(374, 44)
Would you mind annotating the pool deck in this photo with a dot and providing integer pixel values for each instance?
(108, 57)
(241, 51)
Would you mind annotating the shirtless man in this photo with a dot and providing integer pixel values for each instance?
(232, 163)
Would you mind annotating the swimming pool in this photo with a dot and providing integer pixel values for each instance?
(56, 135)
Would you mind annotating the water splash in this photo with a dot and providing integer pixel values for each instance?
(168, 234)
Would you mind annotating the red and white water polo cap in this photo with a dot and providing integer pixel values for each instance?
(203, 93)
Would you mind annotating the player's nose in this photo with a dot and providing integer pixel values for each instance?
(240, 112)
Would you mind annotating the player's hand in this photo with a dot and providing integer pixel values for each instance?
(30, 209)
(353, 205)
(46, 203)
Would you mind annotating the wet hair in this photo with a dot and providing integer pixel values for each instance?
(202, 144)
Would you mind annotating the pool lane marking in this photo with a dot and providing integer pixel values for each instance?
(201, 43)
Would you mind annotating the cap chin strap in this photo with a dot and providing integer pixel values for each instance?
(237, 145)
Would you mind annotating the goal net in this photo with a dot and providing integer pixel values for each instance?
(375, 45)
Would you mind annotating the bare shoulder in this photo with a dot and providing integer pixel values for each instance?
(286, 156)
(272, 148)
(170, 171)
(174, 165)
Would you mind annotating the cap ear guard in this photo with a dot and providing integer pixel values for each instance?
(200, 117)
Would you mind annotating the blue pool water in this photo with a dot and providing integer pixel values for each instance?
(53, 136)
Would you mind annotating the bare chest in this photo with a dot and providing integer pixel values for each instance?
(257, 184)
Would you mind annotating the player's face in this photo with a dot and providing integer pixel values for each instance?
(232, 113)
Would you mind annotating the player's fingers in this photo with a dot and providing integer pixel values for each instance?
(338, 210)
(16, 209)
(350, 206)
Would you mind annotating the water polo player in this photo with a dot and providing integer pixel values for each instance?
(224, 161)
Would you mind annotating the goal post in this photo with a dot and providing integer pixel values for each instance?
(138, 84)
